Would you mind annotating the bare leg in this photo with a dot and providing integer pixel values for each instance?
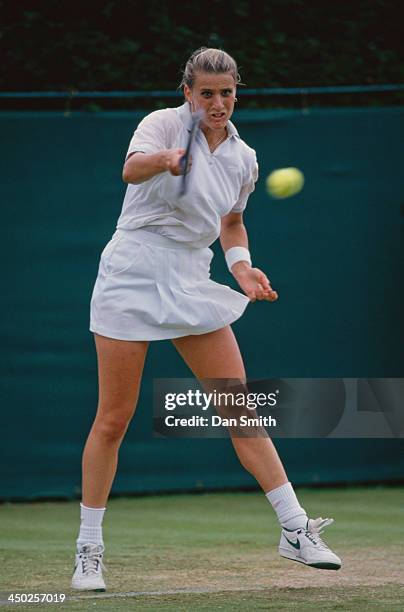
(120, 367)
(217, 355)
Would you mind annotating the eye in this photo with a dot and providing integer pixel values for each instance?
(227, 92)
(206, 94)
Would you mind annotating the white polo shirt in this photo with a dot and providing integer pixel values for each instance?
(218, 182)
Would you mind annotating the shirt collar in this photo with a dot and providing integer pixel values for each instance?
(184, 113)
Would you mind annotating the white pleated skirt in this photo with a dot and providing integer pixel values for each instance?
(150, 287)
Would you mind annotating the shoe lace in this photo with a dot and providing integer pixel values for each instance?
(91, 558)
(315, 528)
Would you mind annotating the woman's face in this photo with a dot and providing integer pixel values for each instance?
(215, 94)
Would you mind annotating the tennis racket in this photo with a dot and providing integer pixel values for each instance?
(196, 118)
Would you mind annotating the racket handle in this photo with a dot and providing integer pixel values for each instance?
(183, 163)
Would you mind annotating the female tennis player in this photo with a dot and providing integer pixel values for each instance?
(153, 283)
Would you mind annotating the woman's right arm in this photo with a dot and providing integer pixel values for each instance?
(140, 167)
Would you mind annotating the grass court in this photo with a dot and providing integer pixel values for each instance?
(214, 551)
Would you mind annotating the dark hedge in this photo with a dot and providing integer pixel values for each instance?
(134, 44)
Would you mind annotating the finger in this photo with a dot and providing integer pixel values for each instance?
(264, 280)
(260, 293)
(264, 283)
(174, 170)
(272, 296)
(177, 170)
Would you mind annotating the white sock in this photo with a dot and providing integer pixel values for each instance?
(288, 510)
(90, 526)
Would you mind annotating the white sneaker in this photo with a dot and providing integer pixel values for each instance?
(306, 546)
(88, 568)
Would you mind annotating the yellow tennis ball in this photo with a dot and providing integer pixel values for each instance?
(285, 182)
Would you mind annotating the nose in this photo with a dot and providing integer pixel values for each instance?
(217, 102)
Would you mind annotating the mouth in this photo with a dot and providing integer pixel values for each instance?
(218, 116)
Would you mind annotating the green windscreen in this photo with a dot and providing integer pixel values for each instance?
(334, 253)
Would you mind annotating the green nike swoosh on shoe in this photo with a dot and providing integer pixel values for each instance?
(307, 547)
(294, 544)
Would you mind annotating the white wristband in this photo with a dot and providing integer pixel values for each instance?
(236, 254)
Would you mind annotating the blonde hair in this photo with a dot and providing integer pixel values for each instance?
(207, 59)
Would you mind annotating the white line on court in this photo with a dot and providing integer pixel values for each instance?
(168, 592)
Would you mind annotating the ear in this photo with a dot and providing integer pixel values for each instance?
(187, 93)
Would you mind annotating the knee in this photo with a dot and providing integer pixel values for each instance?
(112, 428)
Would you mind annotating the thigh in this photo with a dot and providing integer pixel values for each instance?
(212, 355)
(216, 356)
(120, 367)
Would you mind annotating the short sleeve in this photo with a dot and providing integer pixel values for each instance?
(247, 189)
(150, 135)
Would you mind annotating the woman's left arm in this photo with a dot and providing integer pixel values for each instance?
(252, 281)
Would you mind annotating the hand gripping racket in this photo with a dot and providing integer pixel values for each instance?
(196, 118)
